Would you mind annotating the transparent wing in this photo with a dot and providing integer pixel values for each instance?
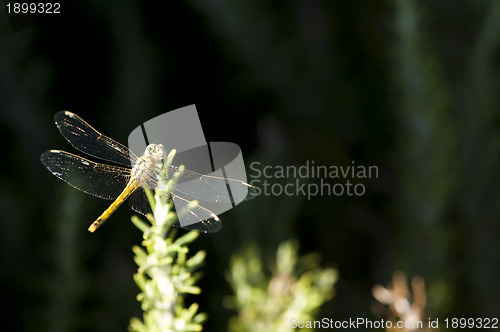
(88, 140)
(205, 226)
(139, 202)
(210, 222)
(205, 187)
(100, 180)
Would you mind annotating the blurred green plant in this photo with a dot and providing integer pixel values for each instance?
(166, 273)
(294, 287)
(68, 281)
(427, 154)
(398, 304)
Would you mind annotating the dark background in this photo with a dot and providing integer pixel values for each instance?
(408, 86)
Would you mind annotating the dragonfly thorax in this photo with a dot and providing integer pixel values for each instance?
(147, 167)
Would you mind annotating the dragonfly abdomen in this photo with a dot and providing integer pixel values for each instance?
(129, 189)
(144, 173)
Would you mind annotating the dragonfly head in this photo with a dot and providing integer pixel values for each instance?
(155, 151)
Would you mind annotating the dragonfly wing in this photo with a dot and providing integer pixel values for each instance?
(210, 224)
(198, 217)
(211, 188)
(139, 202)
(88, 140)
(100, 180)
(206, 226)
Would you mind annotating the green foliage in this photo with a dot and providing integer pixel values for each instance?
(447, 156)
(295, 288)
(427, 152)
(68, 281)
(166, 271)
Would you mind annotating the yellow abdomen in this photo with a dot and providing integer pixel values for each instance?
(129, 189)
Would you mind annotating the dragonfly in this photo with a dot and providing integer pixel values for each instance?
(117, 183)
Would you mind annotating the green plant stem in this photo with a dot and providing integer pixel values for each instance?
(166, 271)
